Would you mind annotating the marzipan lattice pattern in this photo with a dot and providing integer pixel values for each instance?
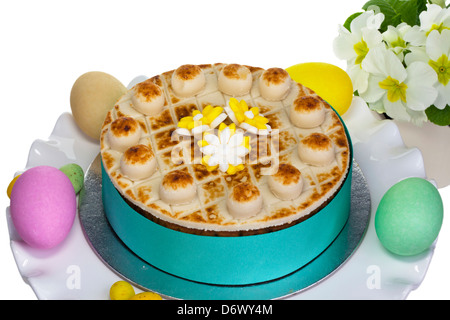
(209, 211)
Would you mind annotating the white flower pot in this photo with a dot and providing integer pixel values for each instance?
(431, 140)
(434, 143)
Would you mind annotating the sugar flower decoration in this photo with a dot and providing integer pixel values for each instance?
(247, 118)
(199, 122)
(226, 150)
(403, 93)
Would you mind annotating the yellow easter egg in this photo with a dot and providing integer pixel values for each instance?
(92, 96)
(11, 185)
(330, 82)
(121, 290)
(146, 296)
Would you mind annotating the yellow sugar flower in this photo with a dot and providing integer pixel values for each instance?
(247, 118)
(199, 122)
(226, 150)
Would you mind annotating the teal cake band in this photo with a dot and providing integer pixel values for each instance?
(226, 260)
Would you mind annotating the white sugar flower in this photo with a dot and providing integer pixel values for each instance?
(394, 38)
(226, 150)
(434, 18)
(436, 54)
(403, 94)
(354, 45)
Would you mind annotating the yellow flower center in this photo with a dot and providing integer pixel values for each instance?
(361, 50)
(442, 68)
(395, 89)
(399, 43)
(437, 27)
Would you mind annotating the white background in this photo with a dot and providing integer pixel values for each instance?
(46, 45)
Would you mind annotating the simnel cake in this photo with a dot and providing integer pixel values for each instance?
(226, 152)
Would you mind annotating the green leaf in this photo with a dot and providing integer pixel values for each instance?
(408, 10)
(350, 19)
(437, 116)
(391, 16)
(421, 6)
(398, 11)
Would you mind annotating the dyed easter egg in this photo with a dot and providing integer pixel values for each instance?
(11, 185)
(75, 174)
(409, 217)
(43, 206)
(327, 80)
(93, 94)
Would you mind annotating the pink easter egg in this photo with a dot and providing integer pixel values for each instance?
(43, 206)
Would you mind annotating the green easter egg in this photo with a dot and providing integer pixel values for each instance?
(409, 217)
(76, 175)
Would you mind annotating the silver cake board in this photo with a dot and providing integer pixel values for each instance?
(118, 257)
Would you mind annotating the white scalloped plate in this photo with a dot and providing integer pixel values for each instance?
(73, 271)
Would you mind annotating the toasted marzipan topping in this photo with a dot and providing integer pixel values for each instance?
(177, 179)
(317, 141)
(188, 72)
(124, 126)
(139, 154)
(236, 71)
(148, 90)
(275, 75)
(307, 104)
(287, 174)
(277, 214)
(245, 192)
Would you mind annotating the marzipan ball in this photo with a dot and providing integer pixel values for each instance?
(93, 95)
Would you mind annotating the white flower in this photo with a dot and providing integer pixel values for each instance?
(416, 54)
(440, 3)
(354, 45)
(403, 94)
(226, 150)
(436, 54)
(434, 18)
(438, 48)
(394, 38)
